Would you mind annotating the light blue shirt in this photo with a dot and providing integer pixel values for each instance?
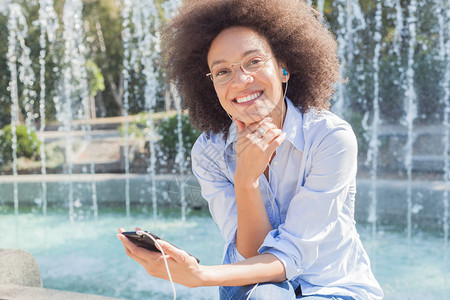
(309, 199)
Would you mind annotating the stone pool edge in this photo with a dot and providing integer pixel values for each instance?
(20, 279)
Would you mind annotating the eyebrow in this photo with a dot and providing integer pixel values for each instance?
(220, 61)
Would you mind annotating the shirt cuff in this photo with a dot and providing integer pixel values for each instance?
(232, 254)
(280, 249)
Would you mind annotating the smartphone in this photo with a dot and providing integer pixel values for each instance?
(142, 241)
(146, 242)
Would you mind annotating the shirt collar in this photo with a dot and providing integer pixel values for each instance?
(292, 126)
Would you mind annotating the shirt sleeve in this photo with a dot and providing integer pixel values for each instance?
(210, 168)
(314, 210)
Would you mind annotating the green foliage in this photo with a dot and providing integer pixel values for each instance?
(27, 143)
(105, 46)
(96, 80)
(168, 130)
(134, 130)
(5, 113)
(103, 25)
(137, 127)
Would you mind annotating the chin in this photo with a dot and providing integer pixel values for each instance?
(252, 115)
(253, 119)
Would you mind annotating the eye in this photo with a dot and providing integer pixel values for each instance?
(222, 72)
(254, 62)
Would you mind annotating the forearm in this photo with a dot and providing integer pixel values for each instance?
(253, 221)
(257, 269)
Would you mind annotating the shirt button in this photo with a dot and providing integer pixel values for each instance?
(275, 163)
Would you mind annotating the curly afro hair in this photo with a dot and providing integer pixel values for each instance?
(292, 29)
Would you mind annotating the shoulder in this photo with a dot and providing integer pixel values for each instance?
(208, 157)
(205, 145)
(323, 125)
(323, 119)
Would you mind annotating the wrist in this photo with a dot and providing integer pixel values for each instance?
(206, 276)
(245, 181)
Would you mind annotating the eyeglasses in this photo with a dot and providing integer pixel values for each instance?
(250, 65)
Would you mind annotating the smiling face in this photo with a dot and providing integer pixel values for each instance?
(248, 97)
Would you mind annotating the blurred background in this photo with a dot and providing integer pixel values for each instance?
(93, 137)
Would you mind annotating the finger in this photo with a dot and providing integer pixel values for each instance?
(276, 142)
(137, 229)
(151, 258)
(177, 254)
(136, 252)
(121, 230)
(253, 136)
(261, 131)
(271, 135)
(266, 132)
(265, 123)
(129, 246)
(126, 245)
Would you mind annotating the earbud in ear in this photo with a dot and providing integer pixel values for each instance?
(285, 73)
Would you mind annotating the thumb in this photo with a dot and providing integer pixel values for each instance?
(177, 254)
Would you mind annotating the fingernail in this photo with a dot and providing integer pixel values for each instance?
(269, 119)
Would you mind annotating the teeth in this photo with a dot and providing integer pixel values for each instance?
(248, 98)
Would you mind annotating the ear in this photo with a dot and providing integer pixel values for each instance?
(284, 73)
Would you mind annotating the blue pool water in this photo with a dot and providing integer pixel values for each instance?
(86, 256)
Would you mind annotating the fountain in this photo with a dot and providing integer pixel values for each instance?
(444, 55)
(18, 53)
(48, 25)
(146, 31)
(372, 154)
(127, 63)
(350, 21)
(401, 120)
(411, 109)
(75, 86)
(180, 151)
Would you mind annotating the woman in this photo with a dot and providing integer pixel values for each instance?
(276, 167)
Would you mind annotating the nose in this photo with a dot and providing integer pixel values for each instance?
(240, 77)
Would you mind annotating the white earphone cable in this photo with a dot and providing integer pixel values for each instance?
(141, 232)
(252, 290)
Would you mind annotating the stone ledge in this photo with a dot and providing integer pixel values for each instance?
(19, 267)
(17, 292)
(20, 279)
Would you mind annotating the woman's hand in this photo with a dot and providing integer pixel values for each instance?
(185, 270)
(183, 267)
(255, 146)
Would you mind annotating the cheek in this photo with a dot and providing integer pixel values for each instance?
(219, 91)
(222, 96)
(223, 102)
(273, 79)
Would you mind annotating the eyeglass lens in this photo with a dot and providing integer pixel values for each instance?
(224, 73)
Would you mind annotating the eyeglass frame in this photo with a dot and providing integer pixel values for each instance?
(231, 66)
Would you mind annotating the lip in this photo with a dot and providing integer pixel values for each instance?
(251, 101)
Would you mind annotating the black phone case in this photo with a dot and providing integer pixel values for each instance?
(142, 241)
(145, 242)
